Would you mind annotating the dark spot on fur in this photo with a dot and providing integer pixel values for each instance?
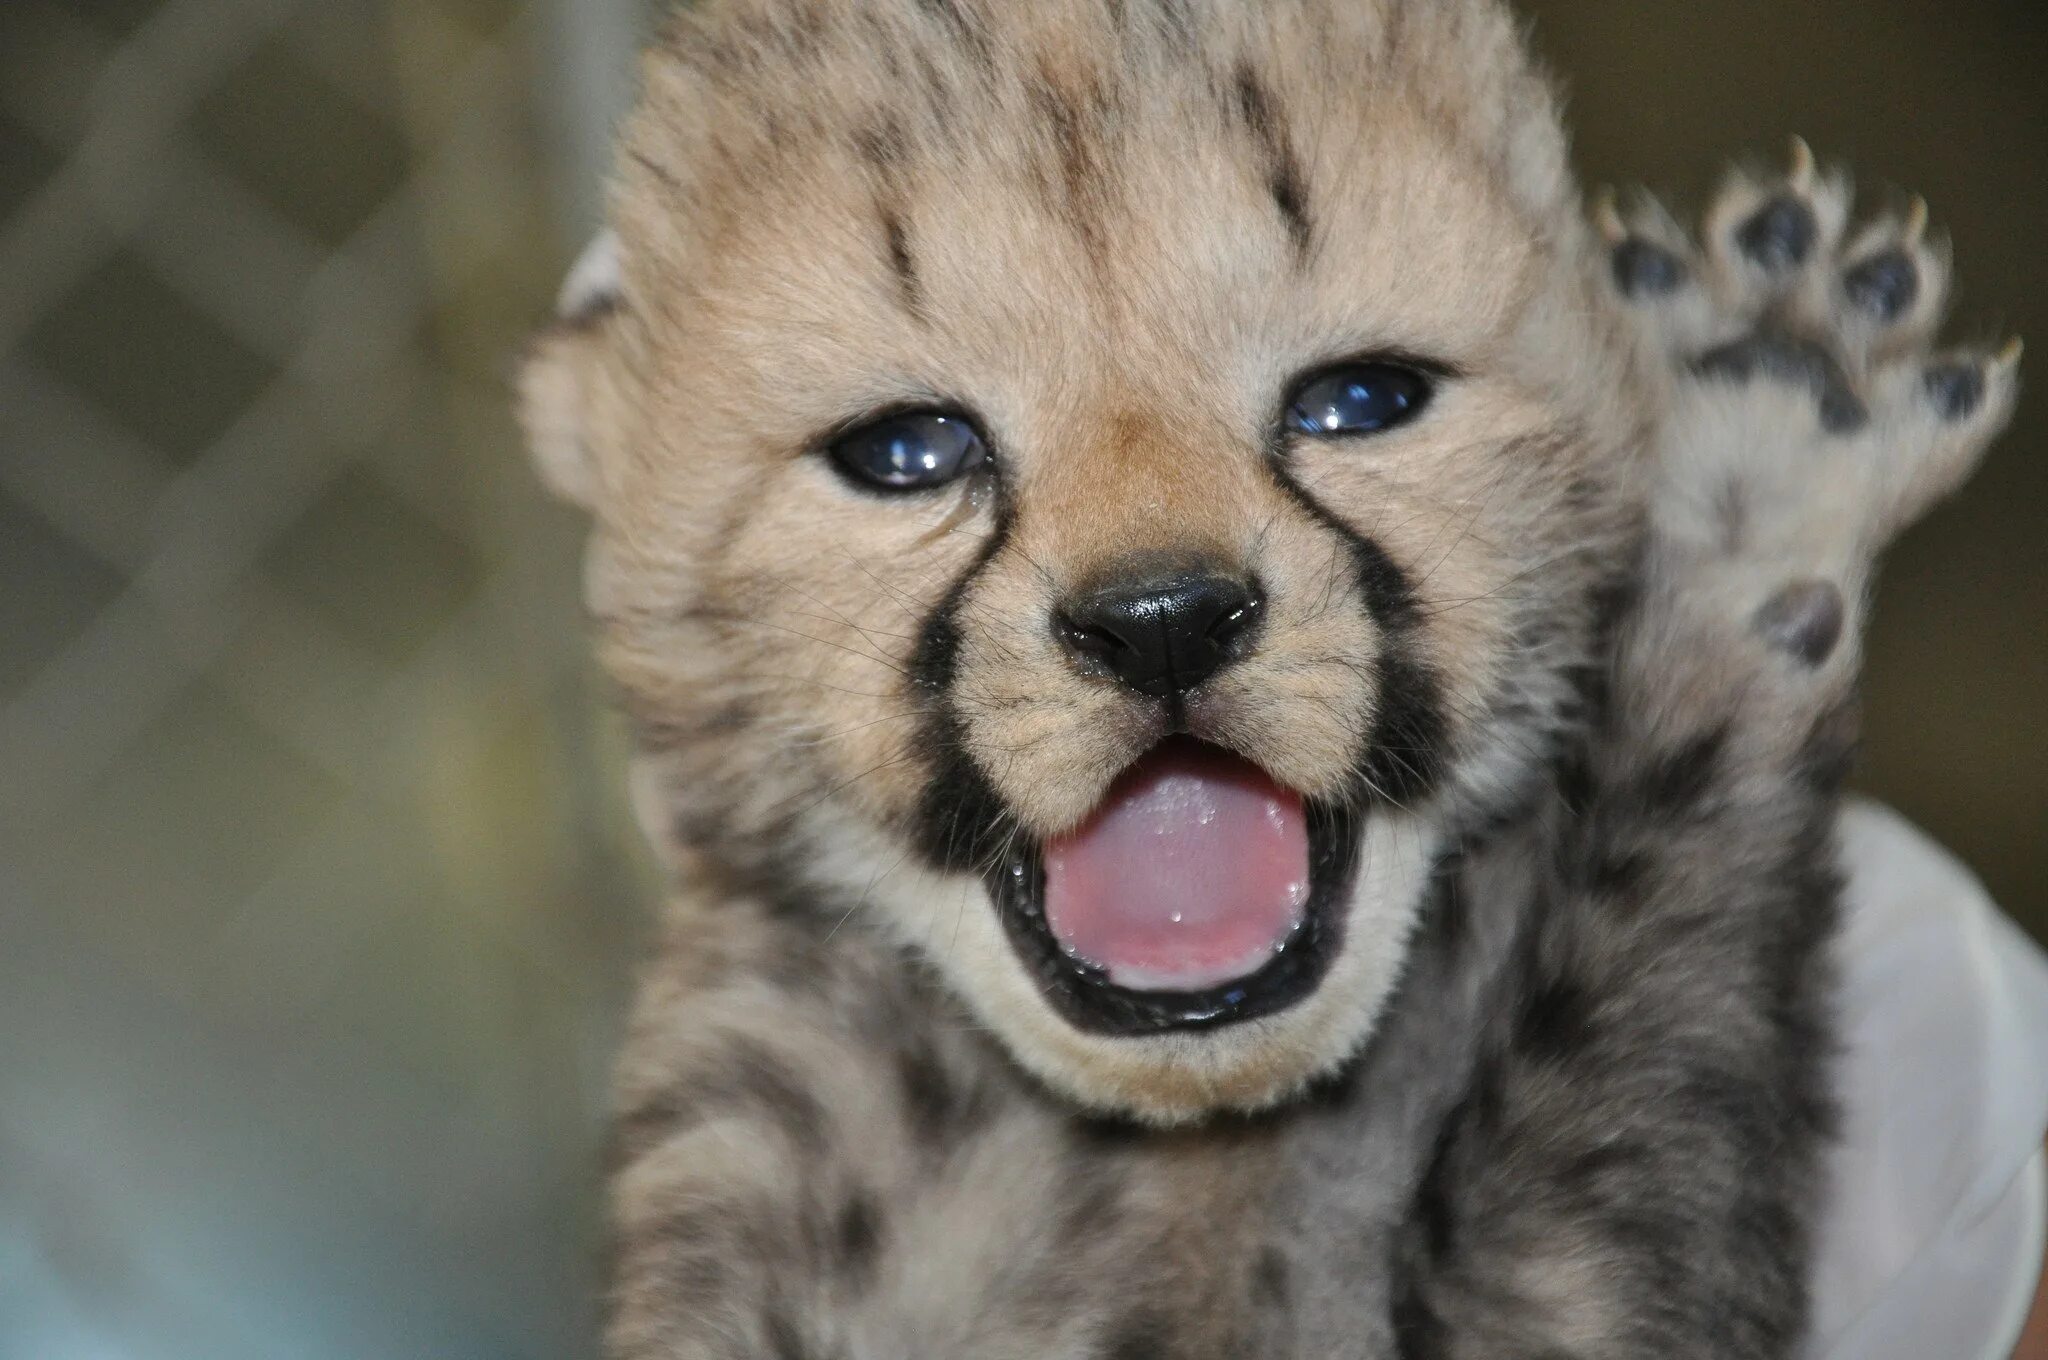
(896, 241)
(1267, 122)
(1142, 1336)
(1446, 914)
(725, 720)
(1557, 1020)
(857, 1236)
(1090, 1196)
(1080, 177)
(1796, 361)
(1780, 234)
(1804, 621)
(1270, 1282)
(1175, 21)
(784, 1341)
(1827, 753)
(1678, 780)
(1109, 1131)
(1886, 285)
(881, 147)
(1642, 269)
(1956, 390)
(663, 176)
(964, 27)
(748, 1077)
(928, 1096)
(1432, 1213)
(1575, 784)
(1618, 873)
(1731, 514)
(1591, 1173)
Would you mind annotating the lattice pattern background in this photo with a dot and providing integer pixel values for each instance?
(305, 1021)
(315, 904)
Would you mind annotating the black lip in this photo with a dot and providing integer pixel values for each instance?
(1087, 1000)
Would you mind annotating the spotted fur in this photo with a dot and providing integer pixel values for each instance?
(1574, 656)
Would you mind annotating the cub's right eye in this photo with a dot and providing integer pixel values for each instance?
(909, 451)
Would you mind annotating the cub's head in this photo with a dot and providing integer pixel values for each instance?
(1105, 492)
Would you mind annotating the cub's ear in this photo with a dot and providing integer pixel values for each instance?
(559, 369)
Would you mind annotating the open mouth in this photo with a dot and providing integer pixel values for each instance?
(1200, 892)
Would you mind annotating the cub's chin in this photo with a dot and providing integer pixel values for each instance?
(1205, 940)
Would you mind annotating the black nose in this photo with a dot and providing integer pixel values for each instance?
(1165, 635)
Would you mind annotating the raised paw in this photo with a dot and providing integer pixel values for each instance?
(1809, 418)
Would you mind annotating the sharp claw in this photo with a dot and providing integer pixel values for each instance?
(1802, 164)
(1607, 217)
(1916, 221)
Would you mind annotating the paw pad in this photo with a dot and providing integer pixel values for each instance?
(1780, 235)
(1956, 390)
(1804, 621)
(1798, 362)
(1642, 269)
(1885, 286)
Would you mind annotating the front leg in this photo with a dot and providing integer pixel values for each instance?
(1635, 1171)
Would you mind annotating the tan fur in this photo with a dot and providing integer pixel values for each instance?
(1116, 231)
(1100, 273)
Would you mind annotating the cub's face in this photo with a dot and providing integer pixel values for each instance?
(1105, 495)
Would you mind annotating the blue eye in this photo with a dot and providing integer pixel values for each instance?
(910, 451)
(1361, 398)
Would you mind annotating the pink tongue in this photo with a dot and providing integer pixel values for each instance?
(1191, 874)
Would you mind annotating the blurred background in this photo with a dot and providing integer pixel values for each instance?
(317, 903)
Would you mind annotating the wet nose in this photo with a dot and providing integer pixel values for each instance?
(1162, 636)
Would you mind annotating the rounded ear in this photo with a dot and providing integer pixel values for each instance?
(555, 376)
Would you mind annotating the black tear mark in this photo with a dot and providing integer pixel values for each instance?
(1780, 234)
(1796, 361)
(1642, 269)
(896, 241)
(1267, 122)
(1885, 286)
(1404, 753)
(1956, 390)
(1804, 620)
(962, 823)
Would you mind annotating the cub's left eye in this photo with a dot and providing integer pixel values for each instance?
(910, 451)
(1360, 398)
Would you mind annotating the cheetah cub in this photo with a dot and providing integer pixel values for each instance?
(1246, 710)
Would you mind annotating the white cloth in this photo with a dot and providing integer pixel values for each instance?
(1931, 1246)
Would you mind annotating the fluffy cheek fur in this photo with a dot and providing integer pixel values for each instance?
(1165, 274)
